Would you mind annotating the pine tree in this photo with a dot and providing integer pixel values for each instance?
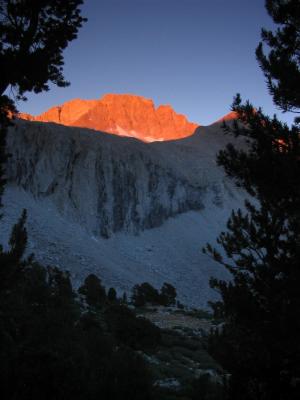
(93, 291)
(259, 343)
(143, 294)
(124, 298)
(33, 35)
(282, 65)
(112, 295)
(168, 295)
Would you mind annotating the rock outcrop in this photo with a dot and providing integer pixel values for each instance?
(106, 183)
(114, 206)
(228, 117)
(123, 115)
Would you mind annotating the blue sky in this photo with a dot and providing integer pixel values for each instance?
(193, 54)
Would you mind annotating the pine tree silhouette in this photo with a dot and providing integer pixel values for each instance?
(259, 343)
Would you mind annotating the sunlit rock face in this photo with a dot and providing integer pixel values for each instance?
(228, 117)
(123, 115)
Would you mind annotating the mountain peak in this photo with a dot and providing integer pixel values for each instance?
(228, 117)
(121, 114)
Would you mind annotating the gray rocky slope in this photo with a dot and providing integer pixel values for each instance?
(123, 209)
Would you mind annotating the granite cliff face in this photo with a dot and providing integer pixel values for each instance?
(107, 184)
(123, 115)
(120, 208)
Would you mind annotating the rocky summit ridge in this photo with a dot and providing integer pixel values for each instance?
(120, 114)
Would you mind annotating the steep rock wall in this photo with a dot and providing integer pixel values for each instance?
(123, 115)
(106, 183)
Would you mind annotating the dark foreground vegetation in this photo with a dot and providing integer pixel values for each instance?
(58, 343)
(259, 342)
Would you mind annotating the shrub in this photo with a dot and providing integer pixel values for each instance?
(135, 332)
(144, 293)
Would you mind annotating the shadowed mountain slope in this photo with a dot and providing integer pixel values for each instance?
(118, 207)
